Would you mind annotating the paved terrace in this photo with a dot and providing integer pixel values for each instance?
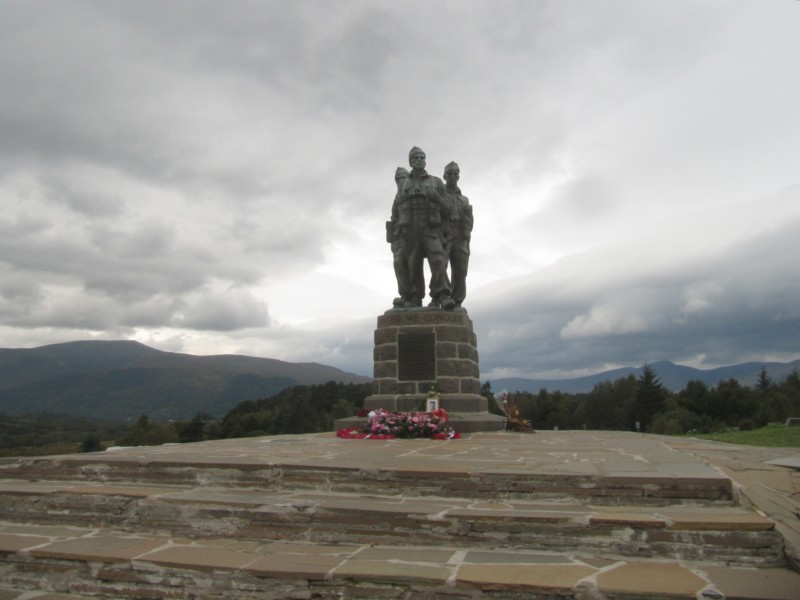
(767, 479)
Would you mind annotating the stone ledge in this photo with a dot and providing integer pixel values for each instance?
(99, 548)
(658, 579)
(420, 568)
(541, 579)
(719, 522)
(734, 535)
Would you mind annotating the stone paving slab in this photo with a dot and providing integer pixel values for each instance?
(130, 491)
(10, 543)
(311, 567)
(754, 584)
(653, 579)
(710, 521)
(52, 532)
(304, 549)
(29, 488)
(588, 453)
(381, 570)
(199, 557)
(492, 557)
(20, 595)
(225, 497)
(407, 555)
(103, 548)
(791, 462)
(486, 569)
(543, 579)
(629, 519)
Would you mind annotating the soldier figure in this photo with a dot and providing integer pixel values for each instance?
(420, 207)
(457, 231)
(395, 238)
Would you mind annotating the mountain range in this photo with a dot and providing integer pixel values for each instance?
(673, 377)
(120, 380)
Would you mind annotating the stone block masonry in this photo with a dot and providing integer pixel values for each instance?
(419, 349)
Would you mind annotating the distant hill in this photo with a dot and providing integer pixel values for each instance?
(673, 377)
(120, 380)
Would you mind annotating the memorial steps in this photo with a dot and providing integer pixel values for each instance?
(498, 515)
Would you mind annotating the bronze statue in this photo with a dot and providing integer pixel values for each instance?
(457, 230)
(417, 214)
(395, 238)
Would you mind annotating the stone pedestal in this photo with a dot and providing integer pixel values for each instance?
(419, 349)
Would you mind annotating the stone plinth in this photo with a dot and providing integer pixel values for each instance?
(420, 349)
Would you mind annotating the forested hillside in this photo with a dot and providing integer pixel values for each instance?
(298, 409)
(613, 405)
(120, 380)
(47, 433)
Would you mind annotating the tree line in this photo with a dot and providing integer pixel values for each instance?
(610, 405)
(28, 434)
(628, 401)
(297, 409)
(626, 404)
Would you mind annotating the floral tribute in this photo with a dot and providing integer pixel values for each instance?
(385, 425)
(514, 419)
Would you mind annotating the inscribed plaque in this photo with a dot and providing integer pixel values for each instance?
(416, 356)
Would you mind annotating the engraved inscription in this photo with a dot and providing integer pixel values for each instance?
(422, 318)
(416, 356)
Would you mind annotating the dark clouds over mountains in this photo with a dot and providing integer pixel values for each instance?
(213, 177)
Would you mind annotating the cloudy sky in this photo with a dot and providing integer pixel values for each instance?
(213, 177)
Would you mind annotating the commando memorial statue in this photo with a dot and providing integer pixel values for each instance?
(425, 357)
(429, 221)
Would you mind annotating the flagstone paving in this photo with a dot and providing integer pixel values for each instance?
(486, 570)
(588, 453)
(76, 557)
(766, 478)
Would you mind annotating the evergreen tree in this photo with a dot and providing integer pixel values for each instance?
(697, 398)
(650, 398)
(145, 433)
(193, 431)
(342, 409)
(91, 443)
(736, 402)
(606, 406)
(494, 407)
(764, 381)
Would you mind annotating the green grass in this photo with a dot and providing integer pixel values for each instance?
(773, 436)
(45, 450)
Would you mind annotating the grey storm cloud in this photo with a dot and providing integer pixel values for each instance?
(725, 302)
(227, 311)
(207, 176)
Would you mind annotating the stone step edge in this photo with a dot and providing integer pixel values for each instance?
(734, 535)
(683, 518)
(424, 568)
(502, 483)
